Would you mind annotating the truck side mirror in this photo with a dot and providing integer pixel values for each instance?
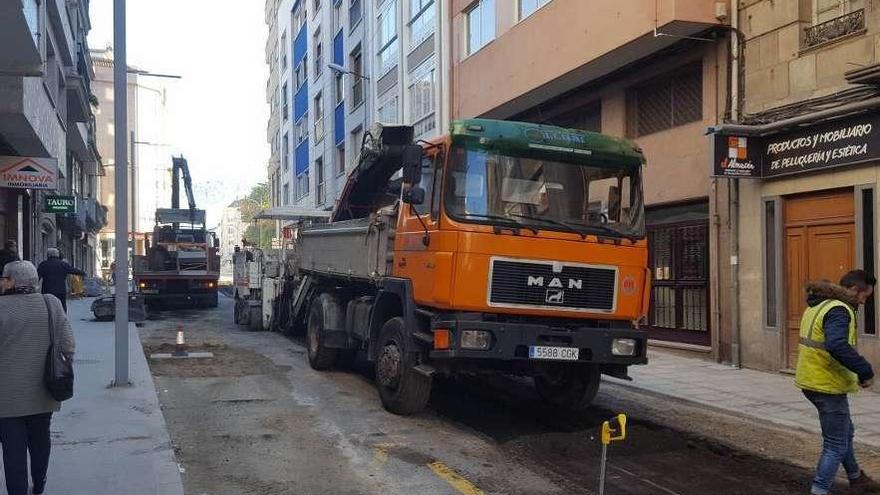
(412, 164)
(415, 195)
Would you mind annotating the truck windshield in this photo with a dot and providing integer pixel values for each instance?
(486, 187)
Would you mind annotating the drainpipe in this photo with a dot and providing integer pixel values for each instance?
(733, 196)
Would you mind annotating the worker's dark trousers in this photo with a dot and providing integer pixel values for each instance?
(63, 299)
(18, 436)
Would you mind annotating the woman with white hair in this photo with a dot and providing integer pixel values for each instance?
(26, 320)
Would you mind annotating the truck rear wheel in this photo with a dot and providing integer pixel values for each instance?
(568, 387)
(321, 358)
(403, 390)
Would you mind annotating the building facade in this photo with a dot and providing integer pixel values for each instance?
(46, 112)
(342, 65)
(805, 157)
(149, 152)
(231, 233)
(654, 72)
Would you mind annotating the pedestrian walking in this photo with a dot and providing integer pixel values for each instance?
(53, 272)
(26, 318)
(8, 254)
(829, 367)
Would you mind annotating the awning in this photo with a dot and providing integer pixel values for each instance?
(291, 213)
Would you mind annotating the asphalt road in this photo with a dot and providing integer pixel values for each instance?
(256, 419)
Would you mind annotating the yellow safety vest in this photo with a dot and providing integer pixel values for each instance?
(816, 369)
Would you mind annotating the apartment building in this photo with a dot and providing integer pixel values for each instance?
(273, 97)
(150, 148)
(231, 233)
(343, 65)
(652, 71)
(806, 160)
(48, 157)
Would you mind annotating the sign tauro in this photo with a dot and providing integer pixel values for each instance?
(60, 204)
(21, 172)
(844, 142)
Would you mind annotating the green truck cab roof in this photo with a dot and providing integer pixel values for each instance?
(548, 142)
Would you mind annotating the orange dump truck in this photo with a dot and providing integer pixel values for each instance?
(501, 247)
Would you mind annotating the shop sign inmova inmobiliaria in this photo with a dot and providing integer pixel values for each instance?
(21, 172)
(843, 142)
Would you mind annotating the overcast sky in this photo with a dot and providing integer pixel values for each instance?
(220, 111)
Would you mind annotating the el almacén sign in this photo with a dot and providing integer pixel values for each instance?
(844, 142)
(60, 204)
(22, 172)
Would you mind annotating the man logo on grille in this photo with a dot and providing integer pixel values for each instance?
(554, 296)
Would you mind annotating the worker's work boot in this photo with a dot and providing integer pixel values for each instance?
(864, 485)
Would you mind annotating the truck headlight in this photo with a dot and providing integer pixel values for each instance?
(475, 339)
(623, 347)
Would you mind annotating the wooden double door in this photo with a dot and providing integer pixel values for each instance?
(820, 244)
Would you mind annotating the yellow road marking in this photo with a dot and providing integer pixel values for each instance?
(454, 479)
(380, 452)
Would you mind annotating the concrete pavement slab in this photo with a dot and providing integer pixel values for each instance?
(764, 396)
(109, 440)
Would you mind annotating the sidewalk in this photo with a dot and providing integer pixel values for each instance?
(765, 396)
(108, 440)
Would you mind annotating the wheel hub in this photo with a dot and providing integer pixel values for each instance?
(388, 369)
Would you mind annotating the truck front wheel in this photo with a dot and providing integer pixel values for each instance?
(568, 387)
(403, 390)
(321, 358)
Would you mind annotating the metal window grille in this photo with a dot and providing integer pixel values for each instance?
(680, 264)
(672, 100)
(838, 27)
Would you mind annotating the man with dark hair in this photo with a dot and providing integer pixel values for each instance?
(8, 254)
(53, 272)
(829, 367)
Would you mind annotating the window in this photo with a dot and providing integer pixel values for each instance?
(337, 16)
(317, 6)
(302, 129)
(319, 117)
(340, 160)
(431, 184)
(770, 287)
(357, 141)
(357, 83)
(338, 88)
(422, 14)
(319, 53)
(284, 51)
(480, 25)
(285, 158)
(285, 106)
(387, 111)
(666, 102)
(826, 10)
(299, 17)
(355, 12)
(526, 7)
(319, 181)
(302, 185)
(286, 197)
(868, 261)
(301, 73)
(421, 99)
(387, 36)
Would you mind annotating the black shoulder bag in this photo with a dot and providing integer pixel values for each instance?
(58, 373)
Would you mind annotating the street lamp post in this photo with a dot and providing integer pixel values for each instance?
(342, 70)
(120, 127)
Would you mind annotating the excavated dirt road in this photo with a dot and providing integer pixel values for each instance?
(256, 419)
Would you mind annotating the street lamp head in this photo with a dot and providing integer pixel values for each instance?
(337, 68)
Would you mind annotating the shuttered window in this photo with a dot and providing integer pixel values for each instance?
(669, 101)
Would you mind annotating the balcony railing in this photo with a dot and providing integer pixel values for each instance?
(839, 27)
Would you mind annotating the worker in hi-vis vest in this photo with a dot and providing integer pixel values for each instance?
(829, 367)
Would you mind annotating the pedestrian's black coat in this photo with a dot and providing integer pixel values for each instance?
(53, 272)
(7, 256)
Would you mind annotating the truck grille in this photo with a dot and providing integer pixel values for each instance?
(537, 284)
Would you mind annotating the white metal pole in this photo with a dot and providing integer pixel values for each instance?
(120, 125)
